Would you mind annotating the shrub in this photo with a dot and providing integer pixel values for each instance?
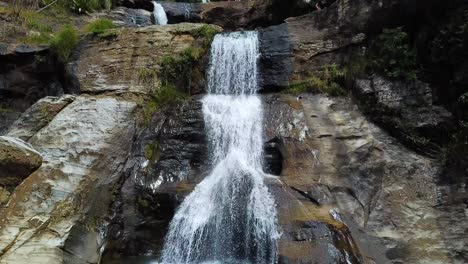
(177, 70)
(328, 80)
(392, 55)
(166, 95)
(206, 32)
(64, 42)
(103, 28)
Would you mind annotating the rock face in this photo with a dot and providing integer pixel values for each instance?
(251, 14)
(124, 63)
(126, 17)
(17, 161)
(27, 73)
(54, 215)
(389, 197)
(171, 156)
(304, 44)
(182, 12)
(406, 110)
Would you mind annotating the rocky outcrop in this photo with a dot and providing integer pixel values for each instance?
(306, 43)
(231, 15)
(54, 216)
(131, 61)
(27, 73)
(388, 197)
(17, 161)
(406, 109)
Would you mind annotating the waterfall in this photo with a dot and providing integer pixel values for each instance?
(159, 14)
(230, 217)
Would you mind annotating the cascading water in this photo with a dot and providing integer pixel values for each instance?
(159, 14)
(230, 217)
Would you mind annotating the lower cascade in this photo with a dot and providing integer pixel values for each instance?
(159, 14)
(230, 217)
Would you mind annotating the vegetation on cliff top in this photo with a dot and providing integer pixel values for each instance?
(103, 28)
(328, 80)
(177, 75)
(64, 42)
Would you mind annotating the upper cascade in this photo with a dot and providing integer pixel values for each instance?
(159, 14)
(234, 64)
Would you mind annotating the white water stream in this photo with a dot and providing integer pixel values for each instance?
(159, 14)
(230, 217)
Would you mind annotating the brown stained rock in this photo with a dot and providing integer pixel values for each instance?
(17, 161)
(119, 64)
(388, 196)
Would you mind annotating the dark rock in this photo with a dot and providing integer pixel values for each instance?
(275, 62)
(182, 12)
(138, 4)
(406, 109)
(27, 73)
(157, 180)
(251, 14)
(294, 50)
(272, 157)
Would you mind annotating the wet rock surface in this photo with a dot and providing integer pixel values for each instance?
(168, 159)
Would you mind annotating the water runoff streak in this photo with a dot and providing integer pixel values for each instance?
(230, 217)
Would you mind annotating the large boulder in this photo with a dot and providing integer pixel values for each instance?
(18, 160)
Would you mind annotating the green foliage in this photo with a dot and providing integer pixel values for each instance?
(5, 109)
(177, 70)
(166, 95)
(391, 55)
(150, 150)
(103, 28)
(328, 80)
(64, 42)
(206, 32)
